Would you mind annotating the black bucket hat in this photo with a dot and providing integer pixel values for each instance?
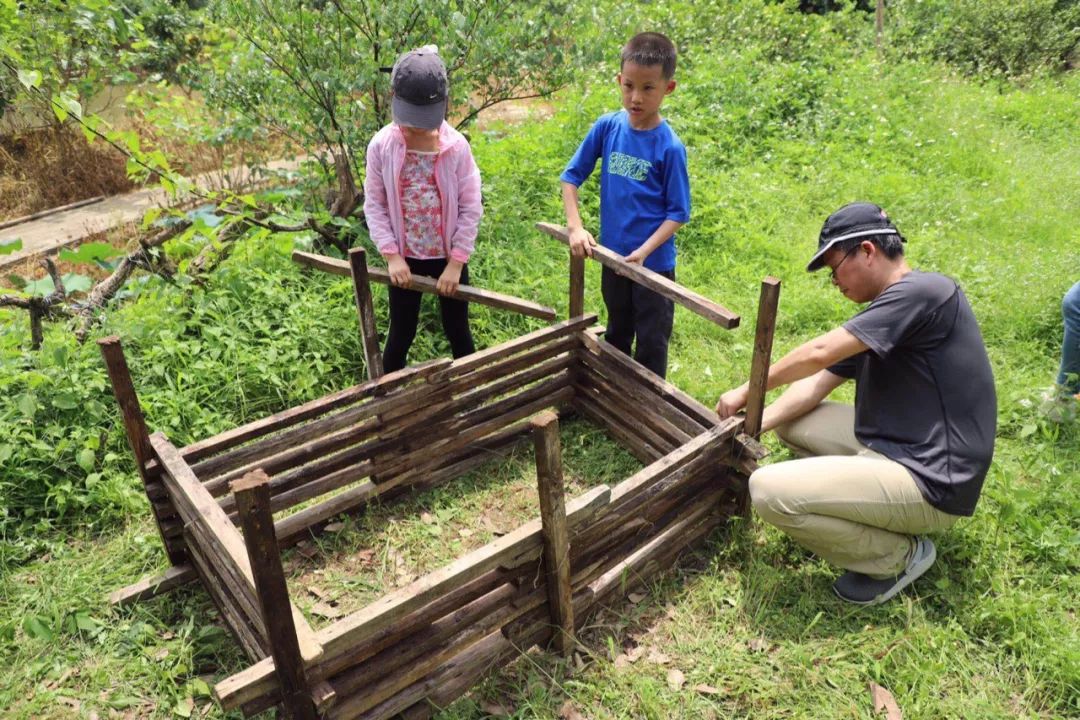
(854, 220)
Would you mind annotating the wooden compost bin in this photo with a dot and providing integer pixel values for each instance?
(421, 646)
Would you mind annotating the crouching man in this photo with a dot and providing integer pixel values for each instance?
(910, 457)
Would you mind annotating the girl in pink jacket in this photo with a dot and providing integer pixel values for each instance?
(422, 203)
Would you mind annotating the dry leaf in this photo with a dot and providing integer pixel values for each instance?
(634, 654)
(161, 654)
(884, 700)
(495, 709)
(168, 635)
(366, 557)
(317, 592)
(325, 610)
(427, 518)
(569, 712)
(307, 549)
(335, 527)
(758, 645)
(708, 689)
(675, 679)
(579, 661)
(621, 660)
(655, 656)
(635, 598)
(465, 532)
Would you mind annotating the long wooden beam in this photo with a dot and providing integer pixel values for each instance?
(427, 285)
(689, 299)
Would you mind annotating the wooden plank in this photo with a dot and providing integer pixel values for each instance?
(511, 550)
(293, 416)
(615, 427)
(181, 480)
(176, 576)
(620, 398)
(577, 286)
(552, 489)
(138, 437)
(419, 283)
(253, 500)
(365, 309)
(519, 344)
(656, 282)
(759, 364)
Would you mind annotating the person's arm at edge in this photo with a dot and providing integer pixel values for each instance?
(581, 240)
(804, 361)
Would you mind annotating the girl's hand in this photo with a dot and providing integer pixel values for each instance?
(581, 242)
(399, 271)
(447, 284)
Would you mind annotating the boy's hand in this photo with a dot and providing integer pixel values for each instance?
(638, 256)
(732, 402)
(447, 284)
(581, 242)
(399, 271)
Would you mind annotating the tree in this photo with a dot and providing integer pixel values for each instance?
(315, 70)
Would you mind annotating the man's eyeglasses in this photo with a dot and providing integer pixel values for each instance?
(834, 268)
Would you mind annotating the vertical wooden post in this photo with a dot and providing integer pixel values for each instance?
(577, 286)
(549, 478)
(138, 437)
(253, 503)
(366, 310)
(759, 365)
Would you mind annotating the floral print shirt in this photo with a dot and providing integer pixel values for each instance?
(421, 206)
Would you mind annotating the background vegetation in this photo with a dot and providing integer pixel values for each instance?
(964, 128)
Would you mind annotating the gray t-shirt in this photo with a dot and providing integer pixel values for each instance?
(924, 392)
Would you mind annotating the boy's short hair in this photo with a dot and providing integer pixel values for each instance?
(650, 48)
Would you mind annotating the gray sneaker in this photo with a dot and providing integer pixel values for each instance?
(854, 587)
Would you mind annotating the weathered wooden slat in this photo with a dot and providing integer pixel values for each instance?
(176, 576)
(696, 303)
(759, 364)
(617, 428)
(253, 500)
(551, 487)
(181, 481)
(626, 416)
(511, 550)
(419, 283)
(365, 309)
(621, 400)
(478, 359)
(293, 416)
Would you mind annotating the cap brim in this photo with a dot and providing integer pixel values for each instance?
(428, 117)
(818, 261)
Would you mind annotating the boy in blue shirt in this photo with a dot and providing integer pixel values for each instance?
(644, 197)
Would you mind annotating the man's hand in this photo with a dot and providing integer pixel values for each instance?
(732, 402)
(399, 271)
(581, 242)
(447, 284)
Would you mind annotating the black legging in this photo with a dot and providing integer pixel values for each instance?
(405, 312)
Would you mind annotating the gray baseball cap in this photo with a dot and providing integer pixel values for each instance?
(420, 88)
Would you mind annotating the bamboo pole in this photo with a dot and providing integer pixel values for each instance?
(759, 365)
(369, 336)
(550, 483)
(138, 437)
(253, 499)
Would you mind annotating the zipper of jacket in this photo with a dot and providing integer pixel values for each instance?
(398, 184)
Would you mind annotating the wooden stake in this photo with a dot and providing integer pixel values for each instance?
(138, 437)
(759, 366)
(549, 479)
(253, 499)
(577, 286)
(364, 308)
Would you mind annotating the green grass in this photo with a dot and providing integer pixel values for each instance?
(785, 120)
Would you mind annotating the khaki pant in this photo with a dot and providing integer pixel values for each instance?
(848, 504)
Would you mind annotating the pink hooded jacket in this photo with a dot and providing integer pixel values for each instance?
(458, 180)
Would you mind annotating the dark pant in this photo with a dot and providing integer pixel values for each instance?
(405, 312)
(634, 310)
